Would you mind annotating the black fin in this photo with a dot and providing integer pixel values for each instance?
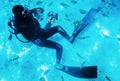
(89, 17)
(84, 72)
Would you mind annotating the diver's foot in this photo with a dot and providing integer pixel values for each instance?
(58, 66)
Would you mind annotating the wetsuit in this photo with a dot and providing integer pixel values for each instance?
(30, 28)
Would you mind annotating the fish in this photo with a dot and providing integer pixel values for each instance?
(39, 2)
(82, 11)
(64, 5)
(74, 1)
(62, 78)
(107, 78)
(83, 63)
(67, 18)
(42, 79)
(84, 37)
(79, 55)
(105, 14)
(51, 3)
(77, 22)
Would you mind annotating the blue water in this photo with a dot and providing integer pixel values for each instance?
(98, 44)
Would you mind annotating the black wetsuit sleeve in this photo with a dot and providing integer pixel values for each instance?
(48, 25)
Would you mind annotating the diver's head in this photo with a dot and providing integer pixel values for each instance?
(17, 10)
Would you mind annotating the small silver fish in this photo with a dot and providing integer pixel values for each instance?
(64, 5)
(74, 1)
(39, 2)
(51, 3)
(62, 78)
(82, 11)
(107, 78)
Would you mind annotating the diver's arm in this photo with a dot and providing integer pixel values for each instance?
(48, 25)
(35, 9)
(50, 22)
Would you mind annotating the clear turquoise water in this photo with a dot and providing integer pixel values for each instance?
(98, 44)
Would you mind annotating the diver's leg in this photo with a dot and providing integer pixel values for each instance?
(79, 28)
(53, 45)
(63, 32)
(57, 29)
(74, 35)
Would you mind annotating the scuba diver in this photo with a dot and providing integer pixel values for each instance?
(24, 23)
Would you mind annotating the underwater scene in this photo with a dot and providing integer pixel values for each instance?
(80, 40)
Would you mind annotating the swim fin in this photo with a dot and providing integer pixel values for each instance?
(80, 72)
(85, 21)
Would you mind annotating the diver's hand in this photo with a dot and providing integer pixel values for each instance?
(51, 20)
